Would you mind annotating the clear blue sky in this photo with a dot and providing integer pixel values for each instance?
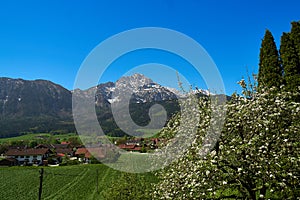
(50, 39)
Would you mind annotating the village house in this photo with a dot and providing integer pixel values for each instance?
(29, 156)
(8, 162)
(82, 154)
(60, 150)
(85, 154)
(130, 147)
(54, 146)
(140, 145)
(136, 141)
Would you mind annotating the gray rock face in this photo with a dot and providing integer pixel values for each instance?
(21, 98)
(137, 87)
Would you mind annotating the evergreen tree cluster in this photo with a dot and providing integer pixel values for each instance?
(281, 67)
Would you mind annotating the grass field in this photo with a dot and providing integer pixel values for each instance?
(40, 137)
(148, 133)
(37, 136)
(132, 162)
(68, 182)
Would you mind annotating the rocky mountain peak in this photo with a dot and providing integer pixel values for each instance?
(133, 81)
(141, 89)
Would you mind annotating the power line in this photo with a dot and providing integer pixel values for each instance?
(97, 175)
(44, 173)
(41, 183)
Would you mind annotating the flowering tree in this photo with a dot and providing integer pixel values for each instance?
(256, 157)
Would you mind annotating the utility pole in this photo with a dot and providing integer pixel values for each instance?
(97, 176)
(41, 183)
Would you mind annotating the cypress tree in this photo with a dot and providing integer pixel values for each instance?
(295, 36)
(270, 70)
(290, 62)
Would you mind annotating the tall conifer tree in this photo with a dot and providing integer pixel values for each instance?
(290, 62)
(270, 70)
(295, 36)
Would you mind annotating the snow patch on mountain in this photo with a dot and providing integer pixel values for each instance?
(139, 89)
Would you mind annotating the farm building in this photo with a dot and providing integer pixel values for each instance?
(8, 162)
(29, 156)
(85, 154)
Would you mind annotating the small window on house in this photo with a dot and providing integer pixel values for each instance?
(21, 156)
(27, 156)
(34, 157)
(16, 156)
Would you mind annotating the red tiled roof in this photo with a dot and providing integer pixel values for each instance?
(131, 146)
(137, 149)
(27, 152)
(41, 146)
(64, 151)
(125, 146)
(81, 151)
(96, 152)
(88, 153)
(60, 146)
(122, 146)
(65, 143)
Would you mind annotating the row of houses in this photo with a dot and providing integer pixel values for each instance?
(139, 144)
(49, 154)
(53, 154)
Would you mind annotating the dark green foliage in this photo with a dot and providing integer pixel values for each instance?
(139, 114)
(270, 70)
(75, 141)
(3, 148)
(69, 162)
(14, 126)
(33, 144)
(94, 160)
(295, 35)
(290, 62)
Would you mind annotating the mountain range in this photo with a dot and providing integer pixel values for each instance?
(43, 106)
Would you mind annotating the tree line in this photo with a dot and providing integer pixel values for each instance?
(277, 68)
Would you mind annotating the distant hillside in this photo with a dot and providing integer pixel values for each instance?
(42, 106)
(19, 98)
(33, 106)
